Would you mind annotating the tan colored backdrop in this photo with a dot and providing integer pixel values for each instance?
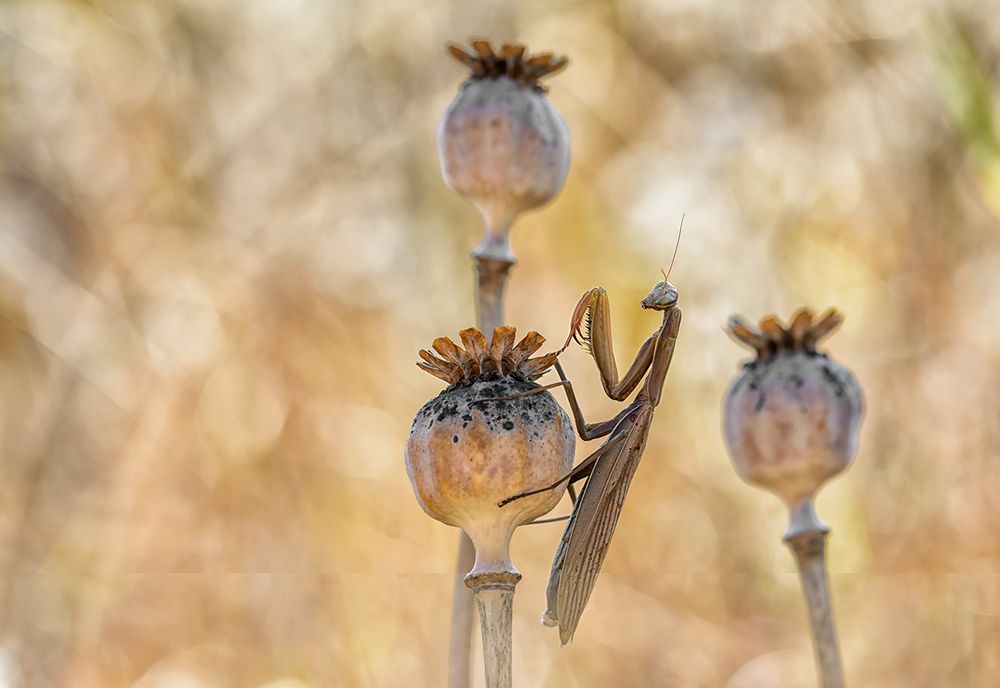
(224, 236)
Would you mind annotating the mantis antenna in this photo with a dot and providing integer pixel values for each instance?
(677, 245)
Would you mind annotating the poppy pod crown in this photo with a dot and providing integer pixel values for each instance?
(772, 337)
(481, 360)
(512, 62)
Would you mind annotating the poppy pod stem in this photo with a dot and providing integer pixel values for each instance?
(806, 537)
(491, 281)
(810, 554)
(495, 245)
(494, 591)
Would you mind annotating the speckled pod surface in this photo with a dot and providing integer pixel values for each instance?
(465, 457)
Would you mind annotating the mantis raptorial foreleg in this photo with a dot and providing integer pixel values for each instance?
(593, 314)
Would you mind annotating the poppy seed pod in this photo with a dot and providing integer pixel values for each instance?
(791, 418)
(791, 421)
(473, 445)
(501, 142)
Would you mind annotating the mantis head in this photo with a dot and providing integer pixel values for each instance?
(664, 294)
(663, 297)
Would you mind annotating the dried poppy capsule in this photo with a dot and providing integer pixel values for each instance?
(792, 416)
(464, 455)
(791, 422)
(501, 142)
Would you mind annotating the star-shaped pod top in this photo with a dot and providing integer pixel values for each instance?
(512, 61)
(772, 337)
(482, 360)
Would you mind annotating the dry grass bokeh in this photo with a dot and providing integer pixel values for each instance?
(224, 237)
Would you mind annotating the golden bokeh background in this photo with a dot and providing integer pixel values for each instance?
(224, 236)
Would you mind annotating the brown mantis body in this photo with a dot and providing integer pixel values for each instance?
(610, 469)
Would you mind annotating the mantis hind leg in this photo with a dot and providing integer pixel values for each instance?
(578, 472)
(587, 431)
(555, 519)
(519, 395)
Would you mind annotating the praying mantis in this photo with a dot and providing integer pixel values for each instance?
(610, 469)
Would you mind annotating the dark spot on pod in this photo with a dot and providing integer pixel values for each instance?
(740, 381)
(837, 383)
(454, 438)
(508, 425)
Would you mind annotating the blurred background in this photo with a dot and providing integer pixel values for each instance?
(224, 236)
